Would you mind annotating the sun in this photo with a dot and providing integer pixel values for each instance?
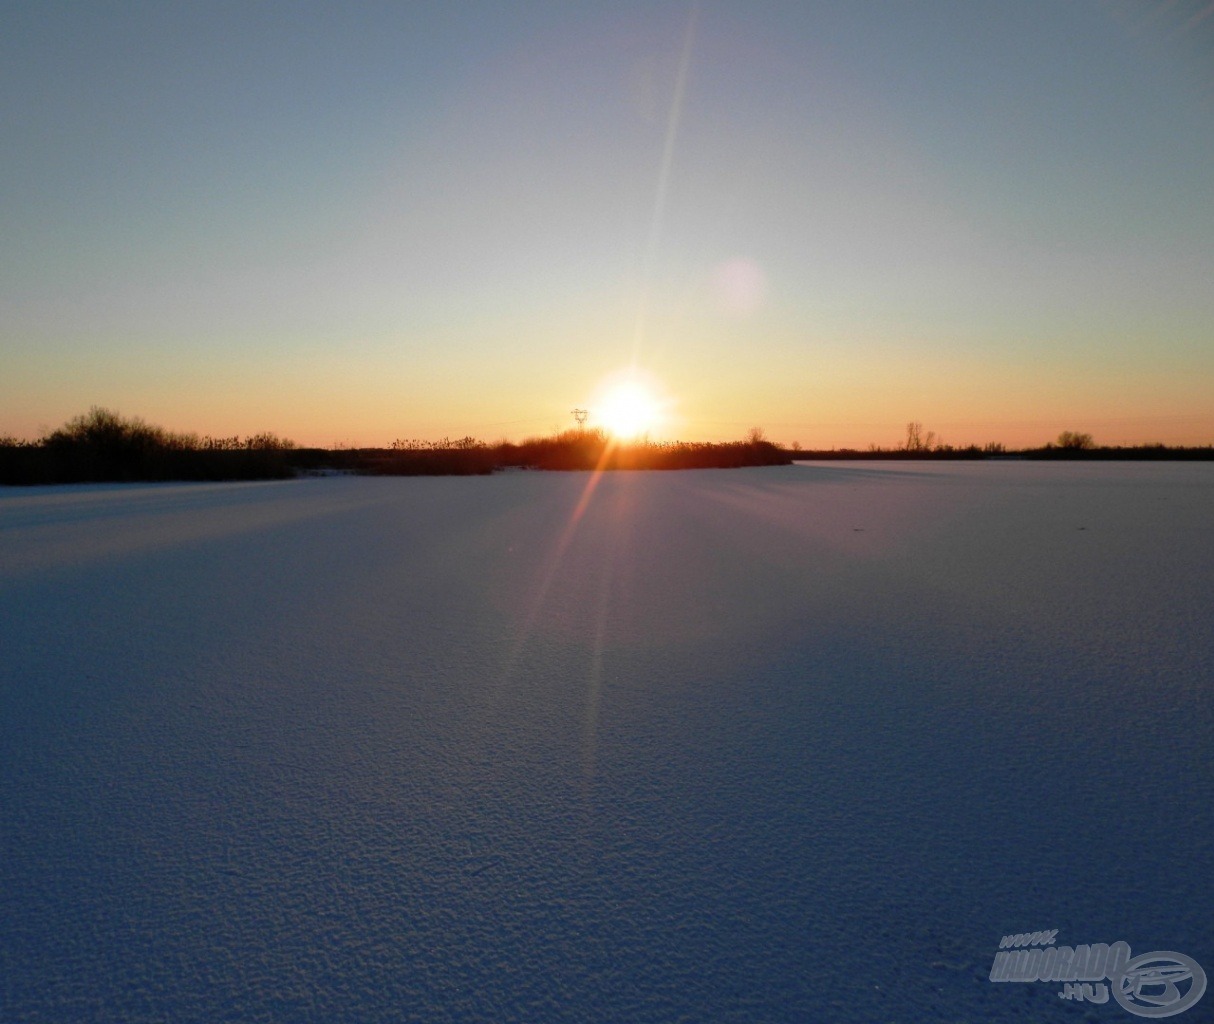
(628, 407)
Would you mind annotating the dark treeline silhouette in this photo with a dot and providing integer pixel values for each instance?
(571, 450)
(1132, 453)
(1070, 444)
(102, 446)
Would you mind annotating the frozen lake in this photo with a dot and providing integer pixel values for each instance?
(787, 744)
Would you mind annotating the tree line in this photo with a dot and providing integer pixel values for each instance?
(1069, 444)
(103, 446)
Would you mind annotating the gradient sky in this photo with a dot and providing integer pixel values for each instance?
(354, 222)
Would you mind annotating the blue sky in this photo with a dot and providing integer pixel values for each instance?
(355, 222)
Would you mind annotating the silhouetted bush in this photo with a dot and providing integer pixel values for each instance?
(103, 447)
(1073, 439)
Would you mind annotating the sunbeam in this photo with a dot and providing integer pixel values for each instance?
(653, 242)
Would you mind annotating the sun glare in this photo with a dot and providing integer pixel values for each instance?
(628, 409)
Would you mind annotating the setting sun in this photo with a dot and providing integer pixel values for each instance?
(628, 407)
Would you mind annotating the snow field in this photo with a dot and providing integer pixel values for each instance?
(787, 744)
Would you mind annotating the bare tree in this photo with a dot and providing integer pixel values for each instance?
(916, 440)
(1075, 440)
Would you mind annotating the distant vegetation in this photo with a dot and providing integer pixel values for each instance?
(1070, 444)
(571, 450)
(102, 446)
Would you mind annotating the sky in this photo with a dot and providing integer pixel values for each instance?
(350, 223)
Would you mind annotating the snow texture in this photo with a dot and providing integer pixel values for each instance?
(786, 744)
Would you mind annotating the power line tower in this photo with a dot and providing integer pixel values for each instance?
(579, 416)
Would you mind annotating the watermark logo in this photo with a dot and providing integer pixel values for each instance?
(1159, 984)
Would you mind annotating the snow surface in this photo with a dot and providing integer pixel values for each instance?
(786, 744)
